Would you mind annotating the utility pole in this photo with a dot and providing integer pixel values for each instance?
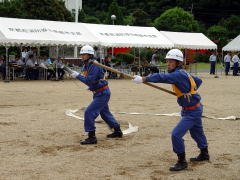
(192, 9)
(77, 7)
(113, 18)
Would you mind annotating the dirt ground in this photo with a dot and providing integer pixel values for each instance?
(38, 141)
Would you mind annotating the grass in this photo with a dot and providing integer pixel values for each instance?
(203, 66)
(206, 66)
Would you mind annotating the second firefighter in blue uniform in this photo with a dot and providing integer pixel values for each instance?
(185, 86)
(93, 77)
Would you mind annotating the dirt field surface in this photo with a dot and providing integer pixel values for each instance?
(38, 141)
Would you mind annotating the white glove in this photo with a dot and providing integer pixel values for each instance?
(137, 79)
(74, 74)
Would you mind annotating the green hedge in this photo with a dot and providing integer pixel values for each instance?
(201, 57)
(123, 58)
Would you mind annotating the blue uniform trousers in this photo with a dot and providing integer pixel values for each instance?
(191, 120)
(212, 68)
(227, 67)
(235, 68)
(99, 105)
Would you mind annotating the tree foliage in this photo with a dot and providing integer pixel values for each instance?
(114, 9)
(141, 18)
(172, 15)
(218, 34)
(176, 19)
(92, 19)
(232, 24)
(32, 9)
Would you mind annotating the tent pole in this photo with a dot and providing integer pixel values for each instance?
(7, 78)
(113, 52)
(62, 51)
(21, 49)
(38, 54)
(222, 61)
(56, 74)
(216, 61)
(185, 57)
(195, 64)
(139, 63)
(134, 53)
(101, 53)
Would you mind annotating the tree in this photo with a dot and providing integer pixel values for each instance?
(129, 20)
(31, 9)
(115, 9)
(82, 15)
(91, 19)
(8, 7)
(176, 19)
(210, 12)
(141, 18)
(218, 34)
(232, 24)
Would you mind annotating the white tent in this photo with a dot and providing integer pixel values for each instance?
(185, 40)
(129, 36)
(69, 33)
(23, 31)
(233, 45)
(38, 32)
(14, 31)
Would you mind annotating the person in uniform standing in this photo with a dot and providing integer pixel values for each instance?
(213, 59)
(185, 86)
(236, 62)
(31, 71)
(59, 68)
(227, 59)
(23, 55)
(93, 77)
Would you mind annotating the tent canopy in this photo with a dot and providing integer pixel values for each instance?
(38, 32)
(233, 45)
(185, 40)
(14, 31)
(129, 36)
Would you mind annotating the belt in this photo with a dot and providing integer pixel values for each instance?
(192, 107)
(100, 89)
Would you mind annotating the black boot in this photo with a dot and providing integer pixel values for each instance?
(90, 140)
(117, 133)
(181, 164)
(203, 156)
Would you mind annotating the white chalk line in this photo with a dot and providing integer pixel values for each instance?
(129, 130)
(133, 129)
(164, 114)
(178, 114)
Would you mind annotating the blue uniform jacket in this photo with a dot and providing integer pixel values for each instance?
(180, 78)
(94, 79)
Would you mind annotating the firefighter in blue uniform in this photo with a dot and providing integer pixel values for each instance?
(93, 77)
(185, 86)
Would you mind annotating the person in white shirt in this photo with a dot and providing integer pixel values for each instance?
(213, 59)
(59, 66)
(20, 62)
(236, 62)
(227, 59)
(24, 55)
(31, 72)
(154, 59)
(50, 69)
(154, 63)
